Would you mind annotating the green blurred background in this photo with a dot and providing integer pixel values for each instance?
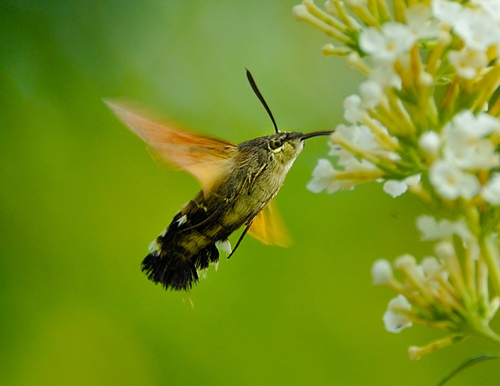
(80, 200)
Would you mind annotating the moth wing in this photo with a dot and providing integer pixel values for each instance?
(205, 158)
(269, 228)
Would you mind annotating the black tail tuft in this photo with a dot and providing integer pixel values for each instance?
(206, 256)
(172, 272)
(177, 272)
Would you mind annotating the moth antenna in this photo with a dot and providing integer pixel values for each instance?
(261, 98)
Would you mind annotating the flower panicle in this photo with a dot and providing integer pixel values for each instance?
(426, 120)
(405, 56)
(438, 292)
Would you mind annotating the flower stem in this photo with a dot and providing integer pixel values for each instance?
(490, 255)
(485, 331)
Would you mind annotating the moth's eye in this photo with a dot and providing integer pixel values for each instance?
(275, 143)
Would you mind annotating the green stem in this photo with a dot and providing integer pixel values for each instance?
(491, 258)
(486, 332)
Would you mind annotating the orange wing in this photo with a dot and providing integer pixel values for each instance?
(205, 158)
(268, 227)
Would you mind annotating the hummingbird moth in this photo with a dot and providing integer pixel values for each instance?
(238, 185)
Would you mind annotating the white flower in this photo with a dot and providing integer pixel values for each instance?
(371, 94)
(490, 7)
(381, 272)
(387, 45)
(426, 79)
(468, 62)
(451, 182)
(413, 180)
(475, 126)
(405, 262)
(491, 191)
(366, 138)
(386, 77)
(469, 155)
(418, 19)
(343, 155)
(358, 135)
(462, 230)
(350, 134)
(431, 229)
(324, 175)
(430, 142)
(446, 11)
(481, 156)
(444, 38)
(300, 12)
(323, 178)
(485, 124)
(468, 128)
(478, 30)
(354, 165)
(397, 188)
(394, 319)
(444, 250)
(465, 145)
(353, 109)
(430, 265)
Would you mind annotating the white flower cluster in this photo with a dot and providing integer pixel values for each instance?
(400, 84)
(439, 292)
(425, 120)
(465, 147)
(477, 27)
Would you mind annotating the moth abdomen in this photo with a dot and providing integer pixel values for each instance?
(176, 268)
(181, 251)
(169, 270)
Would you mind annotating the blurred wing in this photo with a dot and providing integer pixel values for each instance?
(205, 158)
(268, 227)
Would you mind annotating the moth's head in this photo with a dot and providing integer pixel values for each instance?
(285, 147)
